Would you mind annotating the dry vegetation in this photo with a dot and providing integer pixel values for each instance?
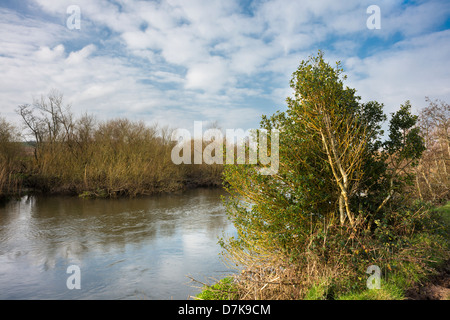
(11, 155)
(294, 239)
(88, 157)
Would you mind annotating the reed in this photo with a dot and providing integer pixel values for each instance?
(117, 157)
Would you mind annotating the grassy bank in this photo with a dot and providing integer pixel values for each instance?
(342, 208)
(111, 166)
(397, 284)
(91, 158)
(399, 276)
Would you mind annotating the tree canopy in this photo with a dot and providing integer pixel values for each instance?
(334, 167)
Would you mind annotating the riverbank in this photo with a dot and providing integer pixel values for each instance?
(431, 281)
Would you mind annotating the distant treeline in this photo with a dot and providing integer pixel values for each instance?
(87, 157)
(84, 156)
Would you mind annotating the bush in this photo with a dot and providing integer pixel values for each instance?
(224, 289)
(11, 163)
(339, 202)
(113, 158)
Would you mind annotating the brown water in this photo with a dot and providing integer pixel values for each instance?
(125, 248)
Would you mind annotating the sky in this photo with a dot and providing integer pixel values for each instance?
(173, 62)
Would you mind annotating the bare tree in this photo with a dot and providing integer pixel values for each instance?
(433, 180)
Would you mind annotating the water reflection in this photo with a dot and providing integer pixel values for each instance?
(126, 248)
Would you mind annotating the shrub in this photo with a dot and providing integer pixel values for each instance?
(224, 289)
(339, 202)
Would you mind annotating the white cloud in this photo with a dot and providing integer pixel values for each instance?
(177, 61)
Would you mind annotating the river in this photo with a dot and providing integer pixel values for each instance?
(141, 248)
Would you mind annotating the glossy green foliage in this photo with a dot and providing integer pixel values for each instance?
(279, 213)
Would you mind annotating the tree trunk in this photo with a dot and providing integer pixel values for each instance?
(418, 186)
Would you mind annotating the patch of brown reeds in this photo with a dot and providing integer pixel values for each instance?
(275, 276)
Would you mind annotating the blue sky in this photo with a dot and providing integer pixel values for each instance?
(178, 61)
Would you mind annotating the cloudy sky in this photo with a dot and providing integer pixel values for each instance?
(179, 61)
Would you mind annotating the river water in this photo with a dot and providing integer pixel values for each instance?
(143, 248)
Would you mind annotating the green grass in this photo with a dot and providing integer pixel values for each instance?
(223, 290)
